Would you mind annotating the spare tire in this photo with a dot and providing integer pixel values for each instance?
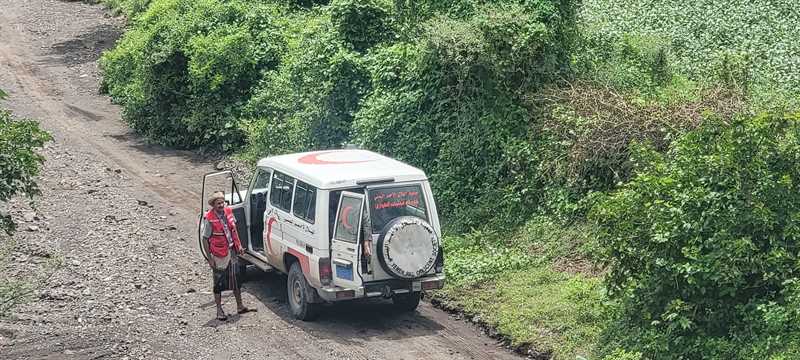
(407, 247)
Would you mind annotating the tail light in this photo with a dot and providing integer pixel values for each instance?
(325, 273)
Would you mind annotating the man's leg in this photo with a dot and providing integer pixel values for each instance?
(237, 292)
(218, 301)
(218, 286)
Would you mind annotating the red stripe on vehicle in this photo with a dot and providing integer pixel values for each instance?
(270, 222)
(303, 261)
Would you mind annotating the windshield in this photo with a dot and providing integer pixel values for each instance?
(389, 203)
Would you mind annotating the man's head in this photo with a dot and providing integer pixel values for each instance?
(217, 200)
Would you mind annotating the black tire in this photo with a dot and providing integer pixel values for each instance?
(407, 302)
(298, 293)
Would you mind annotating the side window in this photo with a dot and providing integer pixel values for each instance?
(262, 181)
(305, 201)
(281, 193)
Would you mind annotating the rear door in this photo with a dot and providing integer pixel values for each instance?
(346, 239)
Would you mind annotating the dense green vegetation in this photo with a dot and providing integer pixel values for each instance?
(569, 143)
(19, 165)
(19, 161)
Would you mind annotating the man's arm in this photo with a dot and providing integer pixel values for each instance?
(205, 234)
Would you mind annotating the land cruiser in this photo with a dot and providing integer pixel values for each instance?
(314, 216)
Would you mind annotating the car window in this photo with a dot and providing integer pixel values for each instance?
(389, 203)
(305, 201)
(281, 192)
(262, 181)
(348, 222)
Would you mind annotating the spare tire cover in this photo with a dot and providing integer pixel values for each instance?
(408, 247)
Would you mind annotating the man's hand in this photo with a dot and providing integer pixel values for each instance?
(241, 251)
(367, 248)
(211, 262)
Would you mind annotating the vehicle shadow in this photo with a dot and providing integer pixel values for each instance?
(349, 322)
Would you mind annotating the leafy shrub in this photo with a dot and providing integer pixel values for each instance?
(361, 23)
(309, 101)
(702, 243)
(19, 161)
(451, 103)
(185, 70)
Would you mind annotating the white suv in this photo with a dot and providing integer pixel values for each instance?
(315, 215)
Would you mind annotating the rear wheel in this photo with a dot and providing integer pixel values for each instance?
(408, 301)
(299, 295)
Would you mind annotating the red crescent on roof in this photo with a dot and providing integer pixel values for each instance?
(313, 159)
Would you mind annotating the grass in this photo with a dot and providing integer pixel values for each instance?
(548, 311)
(12, 291)
(511, 284)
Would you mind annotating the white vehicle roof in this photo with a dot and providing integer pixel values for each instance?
(342, 168)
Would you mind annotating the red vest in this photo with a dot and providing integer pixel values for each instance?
(218, 243)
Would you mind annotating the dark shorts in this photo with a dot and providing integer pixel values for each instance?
(226, 279)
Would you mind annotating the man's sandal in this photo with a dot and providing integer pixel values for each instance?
(222, 317)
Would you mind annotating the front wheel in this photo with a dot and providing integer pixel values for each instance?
(407, 302)
(298, 291)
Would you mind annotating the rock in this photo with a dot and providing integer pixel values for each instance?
(118, 171)
(69, 352)
(29, 217)
(33, 228)
(141, 202)
(219, 166)
(190, 290)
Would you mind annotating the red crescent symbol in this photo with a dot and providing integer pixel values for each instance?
(313, 159)
(269, 233)
(345, 215)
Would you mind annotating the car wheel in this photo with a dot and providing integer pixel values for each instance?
(408, 301)
(298, 293)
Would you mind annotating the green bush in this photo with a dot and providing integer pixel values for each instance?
(702, 243)
(19, 161)
(361, 23)
(452, 104)
(309, 101)
(184, 72)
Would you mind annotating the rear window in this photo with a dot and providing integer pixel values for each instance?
(389, 203)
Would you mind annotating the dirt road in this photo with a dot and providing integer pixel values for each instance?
(110, 244)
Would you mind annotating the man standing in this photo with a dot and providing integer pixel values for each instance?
(221, 243)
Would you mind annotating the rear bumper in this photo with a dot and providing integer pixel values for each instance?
(382, 288)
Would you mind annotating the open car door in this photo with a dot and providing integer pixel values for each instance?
(345, 244)
(234, 200)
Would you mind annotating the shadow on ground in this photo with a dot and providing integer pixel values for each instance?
(349, 322)
(87, 47)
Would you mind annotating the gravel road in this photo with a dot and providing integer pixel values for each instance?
(110, 246)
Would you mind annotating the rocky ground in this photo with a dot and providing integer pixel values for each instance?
(109, 252)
